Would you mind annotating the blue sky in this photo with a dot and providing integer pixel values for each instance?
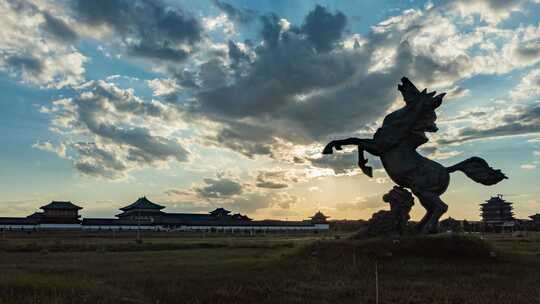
(199, 104)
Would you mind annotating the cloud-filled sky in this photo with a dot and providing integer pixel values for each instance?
(200, 104)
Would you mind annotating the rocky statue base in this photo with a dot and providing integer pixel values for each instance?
(395, 221)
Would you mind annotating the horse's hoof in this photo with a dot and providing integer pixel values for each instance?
(367, 171)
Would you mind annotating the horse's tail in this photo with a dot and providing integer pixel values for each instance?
(479, 171)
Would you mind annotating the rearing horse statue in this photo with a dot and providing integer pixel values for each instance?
(402, 132)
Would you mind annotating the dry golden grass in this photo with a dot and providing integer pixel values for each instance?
(267, 269)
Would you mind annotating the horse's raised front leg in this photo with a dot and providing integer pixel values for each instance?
(362, 144)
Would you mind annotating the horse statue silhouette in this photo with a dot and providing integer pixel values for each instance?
(395, 143)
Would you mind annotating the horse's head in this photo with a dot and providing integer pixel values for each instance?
(428, 103)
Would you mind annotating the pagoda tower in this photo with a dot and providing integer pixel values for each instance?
(496, 211)
(319, 218)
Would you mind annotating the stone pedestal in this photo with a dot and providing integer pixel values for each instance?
(392, 222)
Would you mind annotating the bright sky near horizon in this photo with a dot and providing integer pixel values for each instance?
(205, 104)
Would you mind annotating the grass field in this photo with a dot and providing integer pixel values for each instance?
(188, 268)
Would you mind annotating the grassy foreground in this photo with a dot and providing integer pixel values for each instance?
(269, 269)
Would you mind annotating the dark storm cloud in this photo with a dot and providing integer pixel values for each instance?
(523, 121)
(339, 162)
(25, 63)
(235, 14)
(323, 29)
(247, 139)
(236, 55)
(183, 77)
(106, 158)
(273, 180)
(162, 51)
(96, 162)
(293, 93)
(110, 118)
(212, 74)
(528, 50)
(148, 28)
(58, 29)
(428, 150)
(276, 77)
(94, 170)
(52, 25)
(271, 185)
(271, 29)
(36, 45)
(143, 145)
(221, 187)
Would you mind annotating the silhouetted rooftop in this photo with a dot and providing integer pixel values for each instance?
(319, 216)
(496, 201)
(60, 205)
(220, 212)
(142, 203)
(36, 215)
(535, 217)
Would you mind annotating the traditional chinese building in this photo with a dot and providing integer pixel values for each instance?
(146, 215)
(55, 215)
(142, 211)
(220, 213)
(58, 211)
(496, 211)
(319, 218)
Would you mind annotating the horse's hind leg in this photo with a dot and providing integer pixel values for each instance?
(436, 208)
(429, 210)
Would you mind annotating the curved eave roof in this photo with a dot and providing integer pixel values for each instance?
(142, 203)
(59, 205)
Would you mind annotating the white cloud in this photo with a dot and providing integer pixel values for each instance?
(59, 150)
(444, 155)
(220, 22)
(489, 11)
(528, 166)
(529, 87)
(111, 131)
(456, 92)
(162, 87)
(29, 52)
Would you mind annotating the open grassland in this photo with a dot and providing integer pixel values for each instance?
(189, 268)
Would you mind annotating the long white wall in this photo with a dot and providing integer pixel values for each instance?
(316, 227)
